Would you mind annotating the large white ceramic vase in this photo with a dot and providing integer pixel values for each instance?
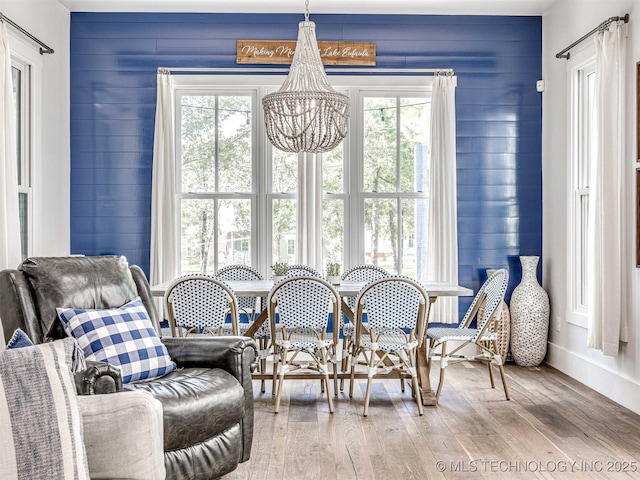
(529, 317)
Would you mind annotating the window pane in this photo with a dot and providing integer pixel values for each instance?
(381, 233)
(198, 225)
(582, 232)
(23, 202)
(16, 78)
(414, 216)
(204, 251)
(284, 230)
(285, 172)
(586, 147)
(414, 124)
(234, 232)
(333, 170)
(333, 231)
(198, 143)
(235, 144)
(380, 140)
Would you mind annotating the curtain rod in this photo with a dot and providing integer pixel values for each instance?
(602, 26)
(434, 71)
(43, 48)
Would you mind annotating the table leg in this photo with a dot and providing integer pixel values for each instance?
(346, 310)
(257, 323)
(428, 395)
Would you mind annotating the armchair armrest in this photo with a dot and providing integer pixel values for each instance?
(123, 435)
(98, 378)
(236, 355)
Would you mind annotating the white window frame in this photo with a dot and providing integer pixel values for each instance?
(579, 65)
(27, 58)
(354, 197)
(361, 197)
(251, 195)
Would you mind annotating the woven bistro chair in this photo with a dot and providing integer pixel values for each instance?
(247, 305)
(300, 338)
(490, 295)
(201, 305)
(397, 309)
(302, 270)
(250, 306)
(364, 272)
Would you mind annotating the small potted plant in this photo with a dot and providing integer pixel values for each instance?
(333, 273)
(279, 271)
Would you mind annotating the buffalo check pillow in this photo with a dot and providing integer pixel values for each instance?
(120, 336)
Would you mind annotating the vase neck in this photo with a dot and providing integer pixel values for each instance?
(529, 267)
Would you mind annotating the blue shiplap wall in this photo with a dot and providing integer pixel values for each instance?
(114, 57)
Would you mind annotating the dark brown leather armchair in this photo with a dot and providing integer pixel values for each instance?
(207, 401)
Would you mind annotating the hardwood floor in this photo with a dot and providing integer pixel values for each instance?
(553, 428)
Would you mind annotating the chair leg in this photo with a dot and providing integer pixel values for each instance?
(372, 359)
(493, 383)
(281, 379)
(325, 369)
(504, 382)
(352, 379)
(263, 363)
(416, 389)
(443, 353)
(432, 342)
(367, 397)
(501, 370)
(276, 362)
(345, 359)
(409, 359)
(335, 370)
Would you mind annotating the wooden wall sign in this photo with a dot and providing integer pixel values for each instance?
(280, 52)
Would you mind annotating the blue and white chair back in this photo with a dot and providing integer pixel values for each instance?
(490, 295)
(201, 304)
(303, 302)
(364, 272)
(393, 303)
(237, 273)
(298, 270)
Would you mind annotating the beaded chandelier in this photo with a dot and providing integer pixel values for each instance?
(306, 114)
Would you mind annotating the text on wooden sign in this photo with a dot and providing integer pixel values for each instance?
(272, 52)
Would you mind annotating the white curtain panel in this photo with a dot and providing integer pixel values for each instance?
(606, 197)
(10, 251)
(309, 210)
(164, 230)
(442, 228)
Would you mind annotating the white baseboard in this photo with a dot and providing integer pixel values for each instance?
(619, 388)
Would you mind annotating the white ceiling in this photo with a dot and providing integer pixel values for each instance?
(419, 7)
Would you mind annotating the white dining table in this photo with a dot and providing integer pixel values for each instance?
(261, 288)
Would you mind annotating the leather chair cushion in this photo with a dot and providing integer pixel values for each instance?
(77, 282)
(198, 404)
